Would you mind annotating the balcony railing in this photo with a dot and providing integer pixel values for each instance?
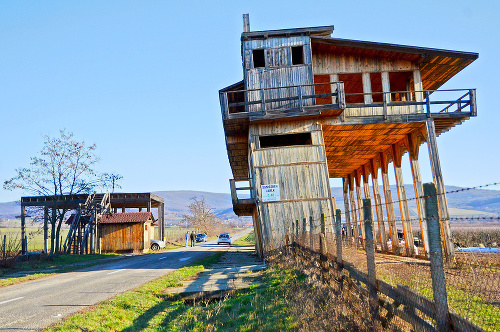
(427, 101)
(241, 191)
(295, 99)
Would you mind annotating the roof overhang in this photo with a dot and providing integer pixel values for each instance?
(436, 65)
(323, 31)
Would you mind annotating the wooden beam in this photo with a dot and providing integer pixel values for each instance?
(441, 191)
(377, 201)
(391, 216)
(367, 88)
(354, 211)
(345, 185)
(403, 203)
(359, 196)
(413, 142)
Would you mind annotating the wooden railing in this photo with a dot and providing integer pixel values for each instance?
(466, 102)
(250, 199)
(294, 98)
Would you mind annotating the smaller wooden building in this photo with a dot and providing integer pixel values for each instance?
(129, 231)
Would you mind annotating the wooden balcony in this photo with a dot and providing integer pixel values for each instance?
(282, 102)
(244, 202)
(428, 103)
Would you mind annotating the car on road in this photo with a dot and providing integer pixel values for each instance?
(157, 244)
(224, 238)
(201, 237)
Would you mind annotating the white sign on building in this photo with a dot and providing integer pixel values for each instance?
(270, 192)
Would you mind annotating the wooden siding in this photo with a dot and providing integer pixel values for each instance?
(301, 173)
(126, 237)
(279, 71)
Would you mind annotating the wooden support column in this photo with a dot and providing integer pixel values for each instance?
(359, 196)
(149, 207)
(161, 221)
(45, 229)
(115, 210)
(413, 146)
(403, 203)
(140, 209)
(378, 206)
(24, 248)
(391, 216)
(123, 210)
(441, 191)
(333, 87)
(354, 215)
(365, 172)
(367, 88)
(419, 95)
(345, 183)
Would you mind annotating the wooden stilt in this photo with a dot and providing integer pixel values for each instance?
(359, 196)
(419, 190)
(345, 184)
(403, 203)
(441, 191)
(354, 212)
(378, 206)
(391, 216)
(365, 173)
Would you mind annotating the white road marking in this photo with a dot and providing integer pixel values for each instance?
(184, 259)
(116, 271)
(17, 298)
(161, 258)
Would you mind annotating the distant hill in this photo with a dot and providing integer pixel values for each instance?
(480, 202)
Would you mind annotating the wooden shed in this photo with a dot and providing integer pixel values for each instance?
(129, 231)
(312, 107)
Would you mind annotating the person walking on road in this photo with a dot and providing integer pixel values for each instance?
(187, 238)
(193, 239)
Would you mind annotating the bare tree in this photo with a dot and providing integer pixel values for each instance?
(201, 216)
(64, 166)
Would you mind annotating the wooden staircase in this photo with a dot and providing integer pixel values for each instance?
(83, 231)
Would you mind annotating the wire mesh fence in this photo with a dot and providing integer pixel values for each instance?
(406, 286)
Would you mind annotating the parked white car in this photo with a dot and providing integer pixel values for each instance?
(157, 244)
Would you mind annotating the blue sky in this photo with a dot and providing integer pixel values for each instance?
(140, 79)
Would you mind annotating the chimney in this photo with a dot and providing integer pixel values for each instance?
(246, 23)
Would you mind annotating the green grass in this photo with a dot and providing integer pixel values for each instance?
(34, 236)
(39, 268)
(248, 240)
(467, 305)
(150, 307)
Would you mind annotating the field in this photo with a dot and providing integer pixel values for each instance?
(34, 235)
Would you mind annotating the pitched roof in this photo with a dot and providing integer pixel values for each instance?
(126, 217)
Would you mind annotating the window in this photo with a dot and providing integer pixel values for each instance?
(297, 55)
(399, 82)
(259, 60)
(376, 83)
(285, 140)
(353, 87)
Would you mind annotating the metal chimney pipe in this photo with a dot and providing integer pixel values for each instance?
(246, 23)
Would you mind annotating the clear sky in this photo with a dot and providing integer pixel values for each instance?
(141, 79)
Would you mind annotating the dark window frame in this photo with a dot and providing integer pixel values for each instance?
(285, 140)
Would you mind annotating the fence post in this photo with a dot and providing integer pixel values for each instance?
(311, 237)
(436, 257)
(338, 236)
(4, 244)
(297, 230)
(304, 228)
(370, 259)
(322, 235)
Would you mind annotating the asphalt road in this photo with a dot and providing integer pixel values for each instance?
(37, 304)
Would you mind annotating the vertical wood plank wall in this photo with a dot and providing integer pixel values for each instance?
(301, 173)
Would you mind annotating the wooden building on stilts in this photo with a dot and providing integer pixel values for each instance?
(311, 107)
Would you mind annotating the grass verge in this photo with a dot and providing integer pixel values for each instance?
(151, 307)
(43, 267)
(248, 240)
(144, 307)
